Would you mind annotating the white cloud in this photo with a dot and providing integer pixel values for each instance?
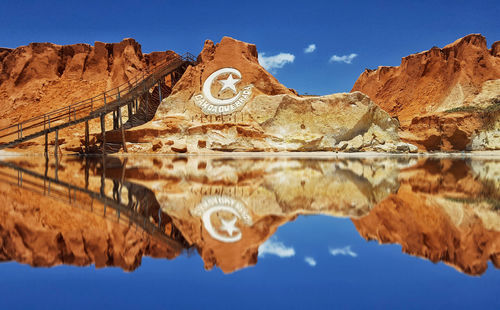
(310, 261)
(310, 48)
(275, 247)
(345, 59)
(271, 63)
(343, 251)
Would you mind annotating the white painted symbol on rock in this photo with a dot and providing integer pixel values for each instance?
(227, 226)
(223, 207)
(211, 105)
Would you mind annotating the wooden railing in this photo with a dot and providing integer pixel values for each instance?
(92, 107)
(111, 208)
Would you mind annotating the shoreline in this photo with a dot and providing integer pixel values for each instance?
(475, 154)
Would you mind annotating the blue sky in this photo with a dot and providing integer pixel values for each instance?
(378, 32)
(370, 276)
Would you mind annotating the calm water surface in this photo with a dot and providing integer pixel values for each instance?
(239, 233)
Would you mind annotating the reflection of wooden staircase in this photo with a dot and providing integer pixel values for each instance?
(138, 208)
(142, 95)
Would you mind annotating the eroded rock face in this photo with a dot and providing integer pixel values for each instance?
(204, 195)
(449, 131)
(44, 232)
(200, 195)
(226, 208)
(229, 53)
(271, 118)
(444, 210)
(41, 77)
(463, 76)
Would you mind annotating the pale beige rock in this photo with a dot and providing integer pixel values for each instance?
(355, 144)
(463, 77)
(272, 191)
(274, 118)
(488, 138)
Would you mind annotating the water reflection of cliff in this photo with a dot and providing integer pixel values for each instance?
(225, 208)
(445, 210)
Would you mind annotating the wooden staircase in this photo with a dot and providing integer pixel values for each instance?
(142, 95)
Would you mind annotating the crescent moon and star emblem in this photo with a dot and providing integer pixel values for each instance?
(220, 216)
(228, 98)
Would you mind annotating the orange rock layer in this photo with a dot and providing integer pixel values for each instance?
(444, 211)
(42, 77)
(58, 233)
(428, 218)
(427, 84)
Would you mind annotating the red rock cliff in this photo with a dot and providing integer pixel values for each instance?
(43, 232)
(428, 85)
(41, 77)
(440, 213)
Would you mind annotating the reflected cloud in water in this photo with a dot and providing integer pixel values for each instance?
(275, 247)
(342, 251)
(114, 211)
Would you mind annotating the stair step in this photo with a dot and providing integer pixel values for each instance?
(139, 91)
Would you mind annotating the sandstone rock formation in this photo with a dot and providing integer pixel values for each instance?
(42, 77)
(268, 116)
(446, 211)
(445, 98)
(43, 232)
(275, 118)
(232, 53)
(265, 193)
(225, 208)
(259, 194)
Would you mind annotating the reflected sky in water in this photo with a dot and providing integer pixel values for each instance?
(319, 260)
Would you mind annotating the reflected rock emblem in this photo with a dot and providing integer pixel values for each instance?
(212, 105)
(220, 214)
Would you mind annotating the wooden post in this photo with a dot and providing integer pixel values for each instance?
(123, 130)
(46, 168)
(104, 102)
(86, 137)
(87, 172)
(46, 150)
(103, 177)
(159, 90)
(56, 153)
(56, 144)
(114, 120)
(45, 175)
(129, 107)
(118, 113)
(103, 133)
(124, 142)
